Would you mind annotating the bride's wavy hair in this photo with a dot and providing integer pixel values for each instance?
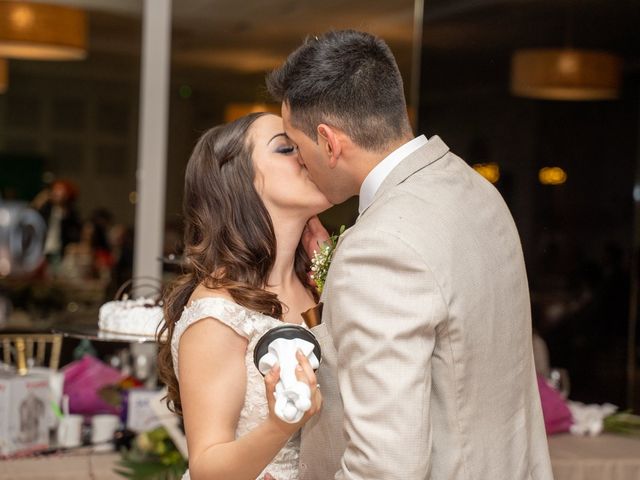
(229, 240)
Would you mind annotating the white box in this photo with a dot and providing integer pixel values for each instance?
(170, 421)
(140, 415)
(24, 407)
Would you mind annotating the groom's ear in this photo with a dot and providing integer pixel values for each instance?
(330, 143)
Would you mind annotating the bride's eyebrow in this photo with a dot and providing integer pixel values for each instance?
(278, 135)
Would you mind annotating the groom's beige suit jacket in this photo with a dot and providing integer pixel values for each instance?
(427, 369)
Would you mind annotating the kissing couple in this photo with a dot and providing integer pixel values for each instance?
(427, 365)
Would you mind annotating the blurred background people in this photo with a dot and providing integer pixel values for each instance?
(56, 204)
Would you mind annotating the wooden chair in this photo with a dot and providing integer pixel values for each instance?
(30, 349)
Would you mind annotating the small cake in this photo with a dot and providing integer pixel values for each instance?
(131, 317)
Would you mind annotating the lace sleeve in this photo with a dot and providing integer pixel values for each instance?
(223, 310)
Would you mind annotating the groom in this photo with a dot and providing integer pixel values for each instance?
(426, 337)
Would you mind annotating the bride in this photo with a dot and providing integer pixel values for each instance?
(247, 200)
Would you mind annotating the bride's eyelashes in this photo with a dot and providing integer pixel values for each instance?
(286, 149)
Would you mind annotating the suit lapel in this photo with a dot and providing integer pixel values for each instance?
(424, 156)
(322, 296)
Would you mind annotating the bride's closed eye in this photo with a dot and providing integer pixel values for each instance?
(286, 149)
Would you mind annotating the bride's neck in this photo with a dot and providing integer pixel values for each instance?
(288, 232)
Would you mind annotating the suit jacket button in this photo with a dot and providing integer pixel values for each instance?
(303, 466)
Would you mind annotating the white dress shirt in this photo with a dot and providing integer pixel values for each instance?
(376, 176)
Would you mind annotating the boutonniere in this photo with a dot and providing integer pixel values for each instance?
(322, 258)
(320, 264)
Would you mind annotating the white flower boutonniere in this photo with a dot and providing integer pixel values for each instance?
(321, 260)
(320, 264)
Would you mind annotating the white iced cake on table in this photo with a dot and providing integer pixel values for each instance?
(131, 317)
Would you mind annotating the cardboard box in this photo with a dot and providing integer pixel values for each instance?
(24, 413)
(140, 415)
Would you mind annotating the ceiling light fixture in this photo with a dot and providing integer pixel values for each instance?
(552, 176)
(490, 171)
(4, 75)
(566, 73)
(37, 31)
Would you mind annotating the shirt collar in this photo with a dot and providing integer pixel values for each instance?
(376, 176)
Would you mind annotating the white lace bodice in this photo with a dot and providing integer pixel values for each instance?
(250, 325)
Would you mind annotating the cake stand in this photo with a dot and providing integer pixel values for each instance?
(92, 332)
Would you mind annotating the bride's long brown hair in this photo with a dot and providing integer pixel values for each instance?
(229, 238)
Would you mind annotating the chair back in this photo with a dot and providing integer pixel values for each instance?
(26, 350)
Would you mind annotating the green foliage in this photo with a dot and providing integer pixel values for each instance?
(623, 423)
(153, 456)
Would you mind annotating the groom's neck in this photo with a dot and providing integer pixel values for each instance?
(367, 160)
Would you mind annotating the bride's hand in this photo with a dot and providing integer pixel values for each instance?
(304, 373)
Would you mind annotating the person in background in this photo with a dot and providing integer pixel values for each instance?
(56, 204)
(121, 238)
(102, 219)
(78, 261)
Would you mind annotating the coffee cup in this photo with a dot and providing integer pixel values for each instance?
(102, 429)
(69, 432)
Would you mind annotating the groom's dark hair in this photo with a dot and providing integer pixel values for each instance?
(346, 79)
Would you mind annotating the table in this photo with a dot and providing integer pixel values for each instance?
(605, 457)
(82, 464)
(93, 332)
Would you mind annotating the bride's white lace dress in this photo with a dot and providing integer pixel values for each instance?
(251, 325)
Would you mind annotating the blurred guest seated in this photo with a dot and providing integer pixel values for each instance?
(78, 260)
(90, 258)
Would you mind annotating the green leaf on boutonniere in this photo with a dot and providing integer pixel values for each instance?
(322, 258)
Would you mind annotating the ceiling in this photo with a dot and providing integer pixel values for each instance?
(216, 33)
(495, 25)
(468, 44)
(229, 44)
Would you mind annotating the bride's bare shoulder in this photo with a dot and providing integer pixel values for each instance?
(201, 291)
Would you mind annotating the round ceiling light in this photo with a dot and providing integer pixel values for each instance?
(565, 74)
(39, 31)
(4, 75)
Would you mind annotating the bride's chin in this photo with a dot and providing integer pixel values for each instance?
(317, 208)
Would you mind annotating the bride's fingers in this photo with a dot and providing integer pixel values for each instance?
(270, 381)
(309, 374)
(316, 394)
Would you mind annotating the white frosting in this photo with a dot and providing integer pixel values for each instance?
(132, 317)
